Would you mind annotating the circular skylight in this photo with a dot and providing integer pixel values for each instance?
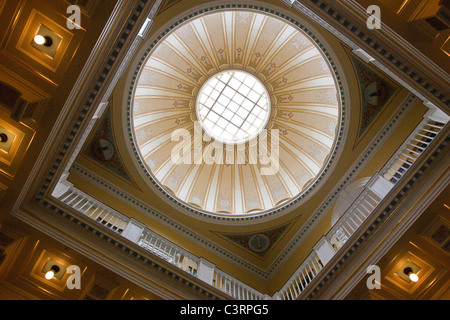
(233, 106)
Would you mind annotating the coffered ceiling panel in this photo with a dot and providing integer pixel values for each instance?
(32, 18)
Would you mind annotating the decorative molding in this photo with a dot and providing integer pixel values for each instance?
(392, 61)
(120, 245)
(259, 243)
(372, 84)
(163, 218)
(114, 59)
(102, 148)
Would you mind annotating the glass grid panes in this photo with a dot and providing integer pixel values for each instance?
(233, 106)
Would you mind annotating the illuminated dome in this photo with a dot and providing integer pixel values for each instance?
(249, 79)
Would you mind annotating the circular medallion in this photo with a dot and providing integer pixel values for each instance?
(259, 242)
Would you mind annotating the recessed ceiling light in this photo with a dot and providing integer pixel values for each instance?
(3, 137)
(51, 273)
(43, 41)
(412, 276)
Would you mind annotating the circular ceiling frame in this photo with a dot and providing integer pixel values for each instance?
(311, 185)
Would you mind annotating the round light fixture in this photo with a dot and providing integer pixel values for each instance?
(233, 106)
(51, 273)
(410, 273)
(43, 40)
(3, 137)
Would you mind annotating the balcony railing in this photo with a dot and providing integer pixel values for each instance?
(235, 288)
(169, 252)
(156, 244)
(411, 149)
(301, 278)
(90, 207)
(374, 192)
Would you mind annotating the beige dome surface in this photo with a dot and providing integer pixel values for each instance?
(301, 127)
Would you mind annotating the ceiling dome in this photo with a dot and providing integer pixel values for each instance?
(246, 78)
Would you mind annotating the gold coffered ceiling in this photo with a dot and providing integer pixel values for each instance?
(305, 112)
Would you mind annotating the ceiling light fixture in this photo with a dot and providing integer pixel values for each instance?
(43, 40)
(3, 138)
(51, 273)
(412, 276)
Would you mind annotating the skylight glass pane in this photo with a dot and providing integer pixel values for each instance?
(226, 77)
(237, 120)
(234, 83)
(253, 96)
(222, 123)
(214, 94)
(223, 100)
(240, 76)
(244, 90)
(229, 92)
(213, 117)
(219, 87)
(228, 115)
(208, 90)
(233, 106)
(250, 82)
(218, 108)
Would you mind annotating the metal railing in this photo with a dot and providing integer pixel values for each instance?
(338, 235)
(91, 208)
(365, 204)
(301, 278)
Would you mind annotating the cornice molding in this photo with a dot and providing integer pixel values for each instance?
(401, 44)
(395, 65)
(109, 58)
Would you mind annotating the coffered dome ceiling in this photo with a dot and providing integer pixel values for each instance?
(233, 76)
